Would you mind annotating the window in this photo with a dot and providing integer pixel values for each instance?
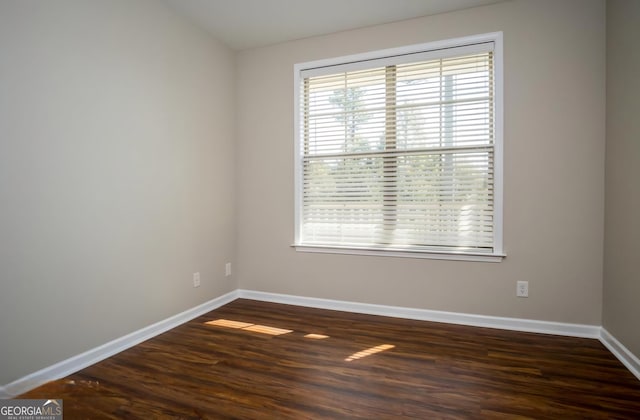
(399, 152)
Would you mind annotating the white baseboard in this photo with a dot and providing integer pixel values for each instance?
(515, 324)
(95, 355)
(623, 354)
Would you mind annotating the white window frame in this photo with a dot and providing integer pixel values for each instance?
(498, 251)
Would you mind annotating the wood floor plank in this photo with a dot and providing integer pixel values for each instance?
(262, 365)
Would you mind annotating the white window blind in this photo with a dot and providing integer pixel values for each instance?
(398, 153)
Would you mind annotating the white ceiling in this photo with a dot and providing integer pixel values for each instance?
(243, 24)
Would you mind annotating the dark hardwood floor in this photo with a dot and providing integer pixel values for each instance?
(366, 367)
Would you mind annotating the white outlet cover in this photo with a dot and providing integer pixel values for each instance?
(522, 289)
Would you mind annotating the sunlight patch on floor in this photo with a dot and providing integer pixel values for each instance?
(267, 330)
(316, 336)
(228, 323)
(263, 329)
(369, 352)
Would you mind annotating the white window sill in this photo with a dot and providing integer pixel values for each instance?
(435, 255)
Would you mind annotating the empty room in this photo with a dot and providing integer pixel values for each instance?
(265, 209)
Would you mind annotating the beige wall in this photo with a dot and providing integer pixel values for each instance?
(116, 174)
(554, 53)
(621, 316)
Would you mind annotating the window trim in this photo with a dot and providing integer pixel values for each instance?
(498, 251)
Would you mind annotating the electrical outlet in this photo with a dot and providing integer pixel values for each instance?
(522, 289)
(227, 269)
(196, 279)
